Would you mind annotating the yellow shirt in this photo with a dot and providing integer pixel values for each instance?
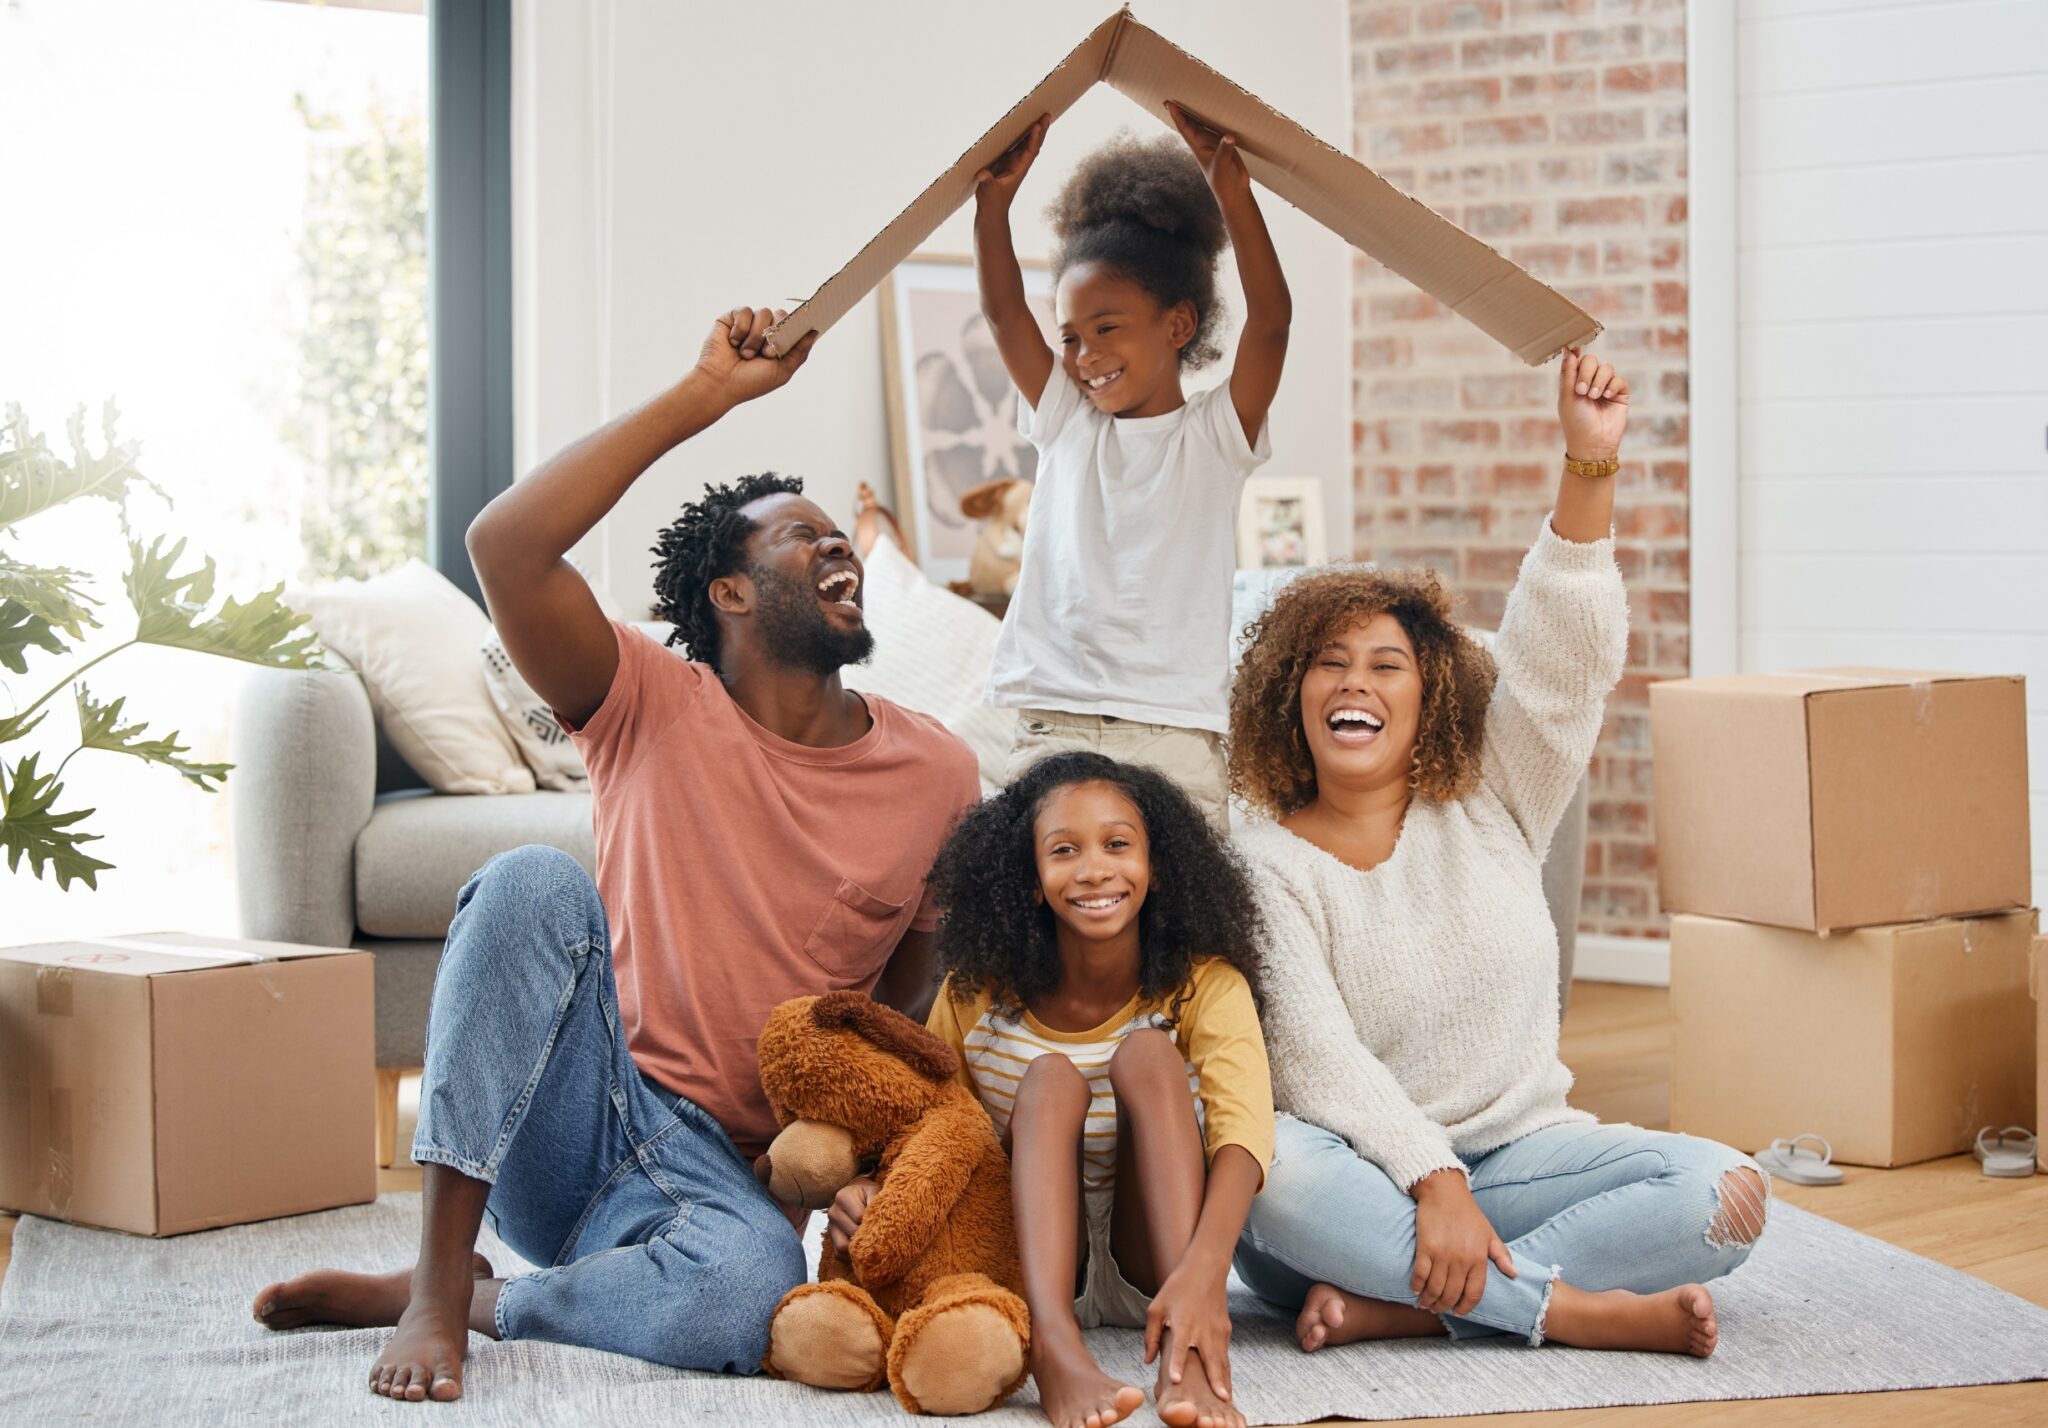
(1218, 1036)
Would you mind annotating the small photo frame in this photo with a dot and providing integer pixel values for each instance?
(1280, 523)
(952, 406)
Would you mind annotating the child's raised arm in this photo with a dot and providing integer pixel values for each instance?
(1025, 354)
(1268, 308)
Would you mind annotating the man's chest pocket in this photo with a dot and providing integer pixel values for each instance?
(855, 933)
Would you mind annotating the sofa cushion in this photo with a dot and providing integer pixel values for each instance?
(419, 849)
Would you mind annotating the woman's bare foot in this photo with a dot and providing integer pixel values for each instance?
(1192, 1403)
(1332, 1316)
(1678, 1321)
(1075, 1392)
(335, 1296)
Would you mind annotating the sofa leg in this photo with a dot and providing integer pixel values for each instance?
(387, 1115)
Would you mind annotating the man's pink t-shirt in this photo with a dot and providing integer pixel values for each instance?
(739, 870)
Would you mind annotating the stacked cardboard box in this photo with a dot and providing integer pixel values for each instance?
(1845, 856)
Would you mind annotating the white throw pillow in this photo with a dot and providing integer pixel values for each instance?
(932, 653)
(413, 636)
(542, 741)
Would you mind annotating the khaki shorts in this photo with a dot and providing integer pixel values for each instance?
(1107, 1299)
(1192, 758)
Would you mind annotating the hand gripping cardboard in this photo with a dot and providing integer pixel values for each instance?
(1529, 318)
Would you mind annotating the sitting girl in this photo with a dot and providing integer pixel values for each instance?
(1118, 638)
(1099, 944)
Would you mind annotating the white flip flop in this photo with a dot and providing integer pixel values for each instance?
(2007, 1154)
(1787, 1161)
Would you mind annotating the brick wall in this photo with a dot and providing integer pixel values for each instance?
(1555, 131)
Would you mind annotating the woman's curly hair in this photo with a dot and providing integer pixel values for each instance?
(705, 543)
(1270, 768)
(998, 937)
(1144, 210)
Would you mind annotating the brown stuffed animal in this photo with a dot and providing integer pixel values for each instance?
(1004, 508)
(930, 1299)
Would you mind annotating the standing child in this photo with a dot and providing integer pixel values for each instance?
(1099, 947)
(1118, 636)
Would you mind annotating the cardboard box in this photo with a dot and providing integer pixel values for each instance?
(1529, 318)
(165, 1083)
(1824, 799)
(2039, 1124)
(1895, 1043)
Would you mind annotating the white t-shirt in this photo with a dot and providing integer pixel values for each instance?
(1123, 601)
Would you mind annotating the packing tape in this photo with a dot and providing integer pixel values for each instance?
(58, 1174)
(1923, 701)
(1923, 895)
(53, 991)
(1969, 936)
(176, 949)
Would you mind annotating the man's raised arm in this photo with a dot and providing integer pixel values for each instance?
(558, 638)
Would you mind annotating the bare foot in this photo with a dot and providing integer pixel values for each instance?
(424, 1358)
(1075, 1392)
(1332, 1316)
(1678, 1321)
(335, 1296)
(1193, 1403)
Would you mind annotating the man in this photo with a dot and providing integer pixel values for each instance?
(762, 833)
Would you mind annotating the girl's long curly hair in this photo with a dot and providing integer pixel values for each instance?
(1143, 210)
(997, 937)
(1270, 768)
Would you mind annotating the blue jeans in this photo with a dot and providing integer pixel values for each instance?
(659, 1242)
(1597, 1206)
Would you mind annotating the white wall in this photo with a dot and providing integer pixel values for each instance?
(672, 161)
(1893, 342)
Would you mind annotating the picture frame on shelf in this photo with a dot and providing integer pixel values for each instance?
(952, 408)
(1280, 524)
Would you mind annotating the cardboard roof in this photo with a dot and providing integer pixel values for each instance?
(1529, 318)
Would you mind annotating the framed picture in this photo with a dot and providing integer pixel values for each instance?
(952, 409)
(1280, 523)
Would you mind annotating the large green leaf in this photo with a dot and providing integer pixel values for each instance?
(29, 829)
(174, 610)
(48, 591)
(100, 727)
(17, 725)
(20, 628)
(33, 478)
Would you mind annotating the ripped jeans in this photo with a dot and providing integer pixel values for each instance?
(1597, 1206)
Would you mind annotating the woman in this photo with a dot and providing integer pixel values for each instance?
(1428, 1176)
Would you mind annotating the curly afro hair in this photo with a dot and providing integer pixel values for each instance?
(997, 937)
(707, 541)
(1270, 768)
(1144, 210)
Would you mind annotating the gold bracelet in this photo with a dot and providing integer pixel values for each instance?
(1596, 469)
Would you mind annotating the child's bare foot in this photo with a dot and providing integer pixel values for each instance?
(1332, 1316)
(1075, 1392)
(1192, 1403)
(335, 1296)
(1678, 1321)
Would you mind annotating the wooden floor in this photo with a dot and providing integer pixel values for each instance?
(1617, 1041)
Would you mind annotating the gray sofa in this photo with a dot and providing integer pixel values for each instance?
(338, 843)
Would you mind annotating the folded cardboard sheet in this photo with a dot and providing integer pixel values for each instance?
(164, 1083)
(1897, 1044)
(1834, 798)
(1529, 318)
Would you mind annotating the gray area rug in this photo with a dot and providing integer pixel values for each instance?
(109, 1329)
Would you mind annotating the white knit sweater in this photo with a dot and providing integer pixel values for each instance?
(1412, 1009)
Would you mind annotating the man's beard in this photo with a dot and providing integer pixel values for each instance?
(795, 631)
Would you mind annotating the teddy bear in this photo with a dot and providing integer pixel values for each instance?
(926, 1295)
(1004, 508)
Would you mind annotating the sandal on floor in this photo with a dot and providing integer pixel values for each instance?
(1787, 1161)
(2008, 1153)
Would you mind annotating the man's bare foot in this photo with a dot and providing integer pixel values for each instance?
(1332, 1316)
(424, 1358)
(1075, 1392)
(1193, 1402)
(335, 1296)
(1678, 1321)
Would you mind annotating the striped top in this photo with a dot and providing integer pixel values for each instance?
(1219, 1040)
